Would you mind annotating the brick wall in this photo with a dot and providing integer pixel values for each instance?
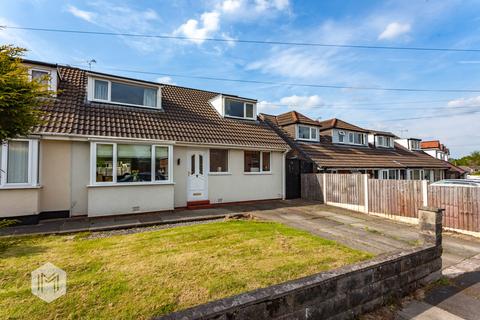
(343, 293)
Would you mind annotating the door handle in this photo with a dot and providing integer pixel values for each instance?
(197, 175)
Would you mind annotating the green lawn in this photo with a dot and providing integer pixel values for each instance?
(152, 273)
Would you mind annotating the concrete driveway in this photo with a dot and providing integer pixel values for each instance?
(360, 231)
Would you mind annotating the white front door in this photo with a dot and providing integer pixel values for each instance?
(197, 184)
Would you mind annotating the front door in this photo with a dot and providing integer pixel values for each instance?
(197, 185)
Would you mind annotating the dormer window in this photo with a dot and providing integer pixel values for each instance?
(384, 142)
(307, 133)
(239, 109)
(349, 137)
(414, 144)
(235, 107)
(123, 92)
(47, 77)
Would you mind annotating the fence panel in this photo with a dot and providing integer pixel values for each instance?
(395, 197)
(312, 186)
(345, 188)
(461, 204)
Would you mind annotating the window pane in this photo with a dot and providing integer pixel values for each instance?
(314, 133)
(101, 90)
(131, 94)
(249, 110)
(252, 161)
(17, 162)
(200, 164)
(234, 108)
(40, 76)
(150, 98)
(350, 137)
(357, 138)
(380, 141)
(303, 132)
(341, 137)
(134, 163)
(161, 163)
(192, 164)
(104, 163)
(265, 161)
(218, 160)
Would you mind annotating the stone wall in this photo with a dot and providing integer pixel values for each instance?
(343, 293)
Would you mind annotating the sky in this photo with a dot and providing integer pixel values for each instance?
(451, 117)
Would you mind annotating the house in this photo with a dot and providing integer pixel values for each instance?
(439, 151)
(113, 145)
(336, 146)
(435, 149)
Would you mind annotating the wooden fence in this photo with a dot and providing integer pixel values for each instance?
(395, 198)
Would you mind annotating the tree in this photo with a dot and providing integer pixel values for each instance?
(19, 96)
(473, 159)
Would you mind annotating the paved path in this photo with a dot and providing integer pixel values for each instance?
(458, 299)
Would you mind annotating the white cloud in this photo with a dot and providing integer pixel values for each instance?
(82, 14)
(166, 80)
(292, 63)
(293, 102)
(393, 30)
(192, 29)
(465, 102)
(234, 10)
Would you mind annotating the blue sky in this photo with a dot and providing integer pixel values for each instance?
(379, 23)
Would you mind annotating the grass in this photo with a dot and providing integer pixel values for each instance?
(152, 273)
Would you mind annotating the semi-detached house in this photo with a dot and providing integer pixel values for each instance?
(114, 145)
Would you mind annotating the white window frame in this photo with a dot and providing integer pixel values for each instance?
(347, 135)
(311, 130)
(261, 163)
(93, 165)
(421, 174)
(244, 109)
(385, 140)
(32, 165)
(91, 91)
(417, 143)
(52, 73)
(216, 173)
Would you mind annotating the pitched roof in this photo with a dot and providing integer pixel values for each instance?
(340, 124)
(433, 144)
(329, 155)
(383, 133)
(186, 116)
(292, 117)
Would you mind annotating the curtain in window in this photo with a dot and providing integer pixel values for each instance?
(150, 97)
(101, 90)
(17, 163)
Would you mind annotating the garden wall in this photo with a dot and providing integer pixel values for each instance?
(343, 293)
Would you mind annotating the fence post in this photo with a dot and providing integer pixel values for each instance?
(425, 192)
(430, 223)
(324, 189)
(365, 184)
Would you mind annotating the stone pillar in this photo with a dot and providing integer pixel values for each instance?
(430, 223)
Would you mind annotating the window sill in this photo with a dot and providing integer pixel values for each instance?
(219, 173)
(258, 173)
(129, 184)
(13, 187)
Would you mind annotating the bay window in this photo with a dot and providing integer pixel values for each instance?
(18, 163)
(218, 160)
(257, 161)
(123, 93)
(130, 163)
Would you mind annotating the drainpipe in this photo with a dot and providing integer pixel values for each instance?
(284, 169)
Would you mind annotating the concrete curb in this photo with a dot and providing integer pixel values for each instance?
(132, 225)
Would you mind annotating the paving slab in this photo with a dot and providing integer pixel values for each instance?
(423, 311)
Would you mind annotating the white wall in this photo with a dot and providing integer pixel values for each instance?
(128, 199)
(239, 186)
(19, 202)
(180, 175)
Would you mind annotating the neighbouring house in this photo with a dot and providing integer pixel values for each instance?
(441, 152)
(435, 149)
(113, 145)
(336, 146)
